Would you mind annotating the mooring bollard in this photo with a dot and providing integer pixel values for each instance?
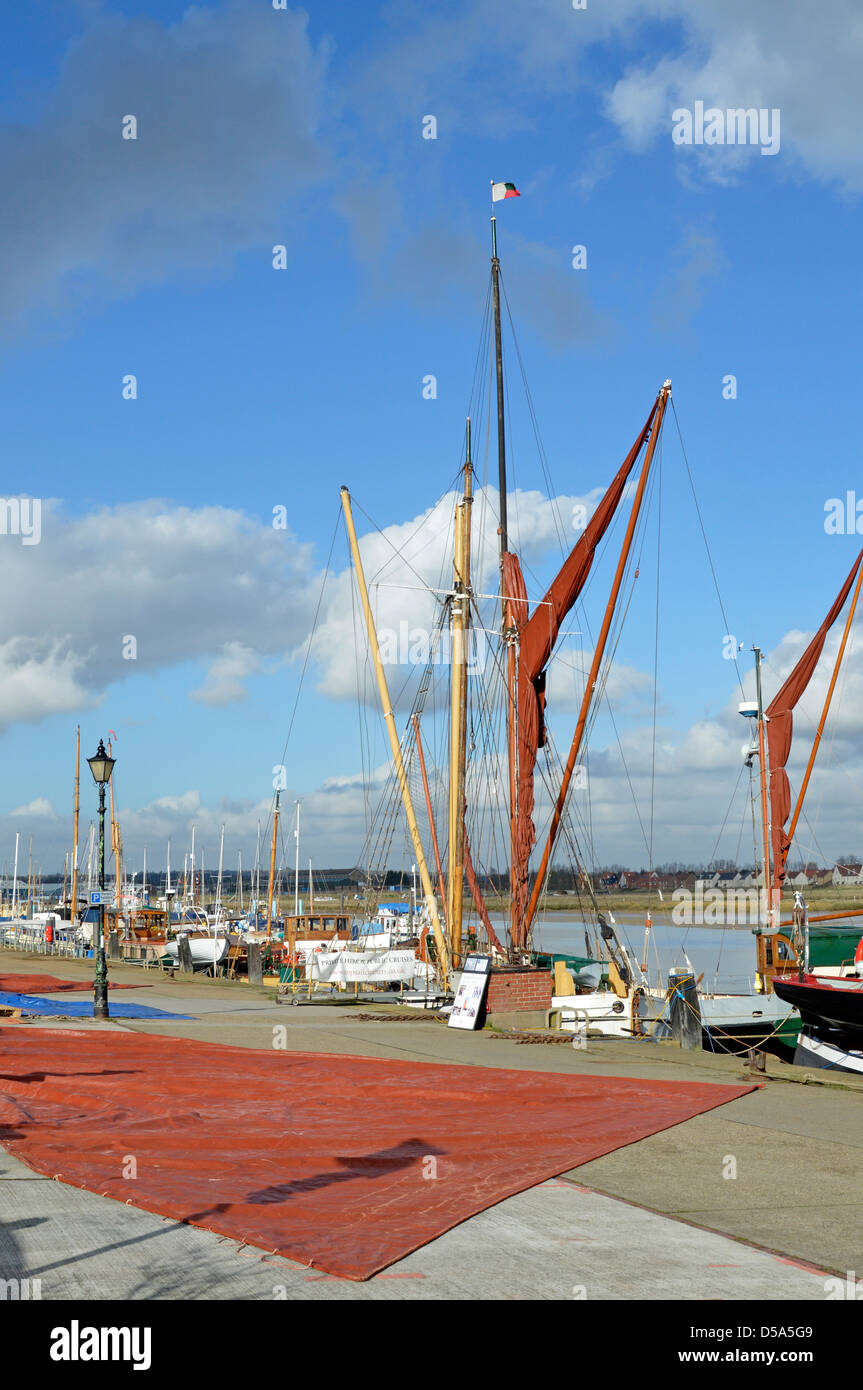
(685, 1011)
(256, 964)
(184, 955)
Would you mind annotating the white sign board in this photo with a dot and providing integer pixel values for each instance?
(471, 992)
(354, 967)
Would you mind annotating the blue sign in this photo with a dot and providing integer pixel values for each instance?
(96, 899)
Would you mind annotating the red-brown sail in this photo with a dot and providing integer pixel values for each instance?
(780, 723)
(537, 636)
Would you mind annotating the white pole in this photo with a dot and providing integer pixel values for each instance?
(168, 869)
(15, 883)
(193, 867)
(297, 867)
(240, 877)
(144, 884)
(258, 873)
(219, 879)
(90, 847)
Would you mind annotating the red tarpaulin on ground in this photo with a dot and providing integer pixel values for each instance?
(343, 1163)
(50, 984)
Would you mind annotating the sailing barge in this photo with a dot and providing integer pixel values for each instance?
(527, 640)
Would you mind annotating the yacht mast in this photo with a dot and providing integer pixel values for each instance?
(762, 762)
(272, 866)
(73, 914)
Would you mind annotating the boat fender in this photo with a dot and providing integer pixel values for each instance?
(858, 957)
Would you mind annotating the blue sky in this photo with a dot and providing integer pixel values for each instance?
(259, 388)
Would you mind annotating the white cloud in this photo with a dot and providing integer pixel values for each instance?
(207, 583)
(40, 807)
(40, 676)
(224, 682)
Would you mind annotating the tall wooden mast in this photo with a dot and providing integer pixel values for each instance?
(115, 838)
(395, 746)
(762, 762)
(429, 808)
(272, 865)
(460, 621)
(508, 627)
(74, 911)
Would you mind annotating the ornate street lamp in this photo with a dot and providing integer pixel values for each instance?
(101, 767)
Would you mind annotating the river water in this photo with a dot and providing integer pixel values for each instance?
(725, 956)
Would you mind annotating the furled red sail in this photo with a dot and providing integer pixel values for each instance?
(780, 724)
(537, 636)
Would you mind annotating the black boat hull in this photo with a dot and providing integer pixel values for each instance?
(835, 1005)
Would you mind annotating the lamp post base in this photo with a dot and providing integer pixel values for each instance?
(100, 993)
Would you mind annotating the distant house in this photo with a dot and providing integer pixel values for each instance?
(845, 875)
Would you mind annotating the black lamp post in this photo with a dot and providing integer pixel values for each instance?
(101, 767)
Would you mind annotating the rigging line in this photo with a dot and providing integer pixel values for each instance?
(706, 544)
(311, 635)
(712, 859)
(541, 451)
(603, 677)
(827, 764)
(398, 551)
(740, 836)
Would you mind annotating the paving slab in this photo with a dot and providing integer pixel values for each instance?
(557, 1241)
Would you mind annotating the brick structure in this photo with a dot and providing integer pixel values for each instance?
(518, 989)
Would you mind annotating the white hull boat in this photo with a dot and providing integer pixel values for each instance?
(205, 950)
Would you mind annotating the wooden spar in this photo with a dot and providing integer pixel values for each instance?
(828, 916)
(272, 866)
(762, 759)
(395, 746)
(115, 837)
(458, 711)
(662, 401)
(73, 914)
(833, 679)
(429, 811)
